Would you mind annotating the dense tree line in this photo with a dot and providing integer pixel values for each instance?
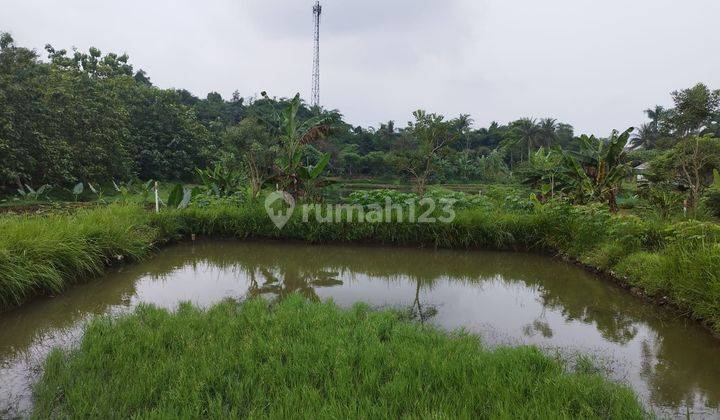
(88, 116)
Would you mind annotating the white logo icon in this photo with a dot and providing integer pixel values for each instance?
(277, 216)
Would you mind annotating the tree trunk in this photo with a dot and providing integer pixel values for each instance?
(612, 200)
(420, 185)
(529, 150)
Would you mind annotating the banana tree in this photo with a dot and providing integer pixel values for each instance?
(597, 170)
(294, 135)
(543, 169)
(180, 196)
(220, 180)
(309, 175)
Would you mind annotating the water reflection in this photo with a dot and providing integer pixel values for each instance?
(508, 298)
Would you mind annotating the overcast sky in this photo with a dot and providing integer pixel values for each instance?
(595, 64)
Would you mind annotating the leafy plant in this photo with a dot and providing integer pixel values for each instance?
(97, 191)
(597, 170)
(220, 180)
(310, 175)
(542, 170)
(27, 192)
(180, 196)
(77, 190)
(124, 188)
(294, 135)
(662, 199)
(711, 199)
(429, 137)
(257, 149)
(146, 189)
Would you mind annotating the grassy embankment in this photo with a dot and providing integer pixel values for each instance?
(677, 262)
(299, 358)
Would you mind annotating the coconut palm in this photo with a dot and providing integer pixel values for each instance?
(462, 124)
(548, 131)
(527, 131)
(655, 114)
(646, 137)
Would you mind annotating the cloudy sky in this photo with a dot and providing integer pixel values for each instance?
(595, 64)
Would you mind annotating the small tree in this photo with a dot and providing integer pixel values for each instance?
(257, 149)
(695, 159)
(429, 137)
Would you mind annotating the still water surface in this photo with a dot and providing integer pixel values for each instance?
(508, 298)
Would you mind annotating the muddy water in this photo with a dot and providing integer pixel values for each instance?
(508, 298)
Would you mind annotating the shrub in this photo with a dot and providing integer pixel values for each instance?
(711, 201)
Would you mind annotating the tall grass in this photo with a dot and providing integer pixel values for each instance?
(43, 254)
(674, 261)
(304, 359)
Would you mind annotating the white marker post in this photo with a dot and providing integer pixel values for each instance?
(157, 198)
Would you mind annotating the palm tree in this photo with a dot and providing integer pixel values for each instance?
(548, 131)
(462, 124)
(645, 137)
(527, 132)
(656, 116)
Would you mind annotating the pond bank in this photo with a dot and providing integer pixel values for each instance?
(678, 263)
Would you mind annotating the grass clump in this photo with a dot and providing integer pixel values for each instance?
(43, 254)
(642, 269)
(305, 359)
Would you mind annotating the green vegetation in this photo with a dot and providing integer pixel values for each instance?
(253, 360)
(678, 262)
(91, 117)
(236, 151)
(87, 134)
(43, 254)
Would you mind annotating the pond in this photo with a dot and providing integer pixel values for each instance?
(507, 298)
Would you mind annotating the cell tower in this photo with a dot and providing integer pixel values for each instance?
(317, 9)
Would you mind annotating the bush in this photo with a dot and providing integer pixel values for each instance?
(693, 232)
(690, 273)
(711, 201)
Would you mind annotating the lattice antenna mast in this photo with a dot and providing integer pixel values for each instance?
(317, 9)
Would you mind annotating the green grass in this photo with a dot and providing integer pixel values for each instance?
(304, 359)
(43, 254)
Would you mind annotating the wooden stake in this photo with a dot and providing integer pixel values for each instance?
(157, 198)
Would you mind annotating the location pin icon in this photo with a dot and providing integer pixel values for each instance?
(278, 217)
